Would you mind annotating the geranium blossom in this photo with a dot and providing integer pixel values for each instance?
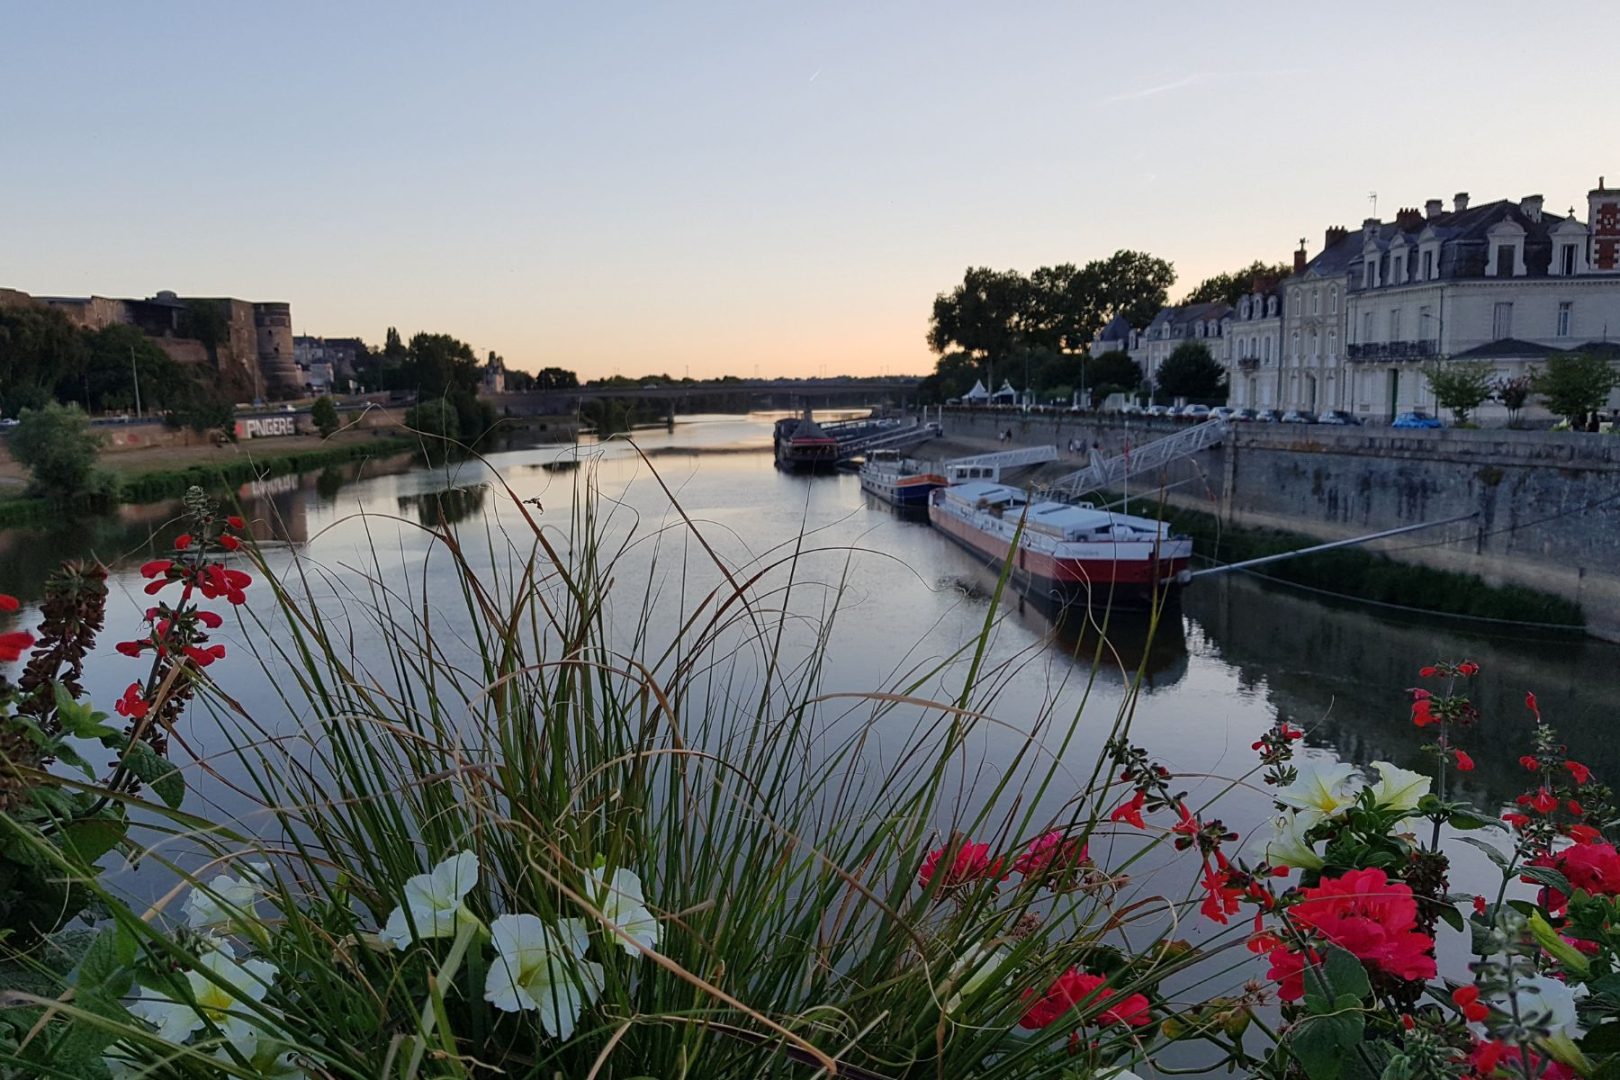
(1051, 856)
(1592, 867)
(218, 1002)
(1397, 788)
(972, 863)
(1074, 987)
(618, 897)
(1372, 918)
(544, 969)
(433, 901)
(1288, 971)
(1320, 785)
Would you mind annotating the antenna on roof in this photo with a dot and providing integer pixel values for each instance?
(1372, 197)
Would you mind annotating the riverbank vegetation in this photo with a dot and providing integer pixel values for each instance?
(546, 838)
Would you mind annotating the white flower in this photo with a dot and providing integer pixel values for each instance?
(619, 900)
(1544, 1002)
(1397, 788)
(225, 900)
(538, 967)
(976, 967)
(1287, 846)
(216, 1002)
(1119, 1074)
(1320, 785)
(434, 901)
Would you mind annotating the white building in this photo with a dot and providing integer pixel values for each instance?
(1252, 336)
(1504, 282)
(1312, 334)
(1175, 326)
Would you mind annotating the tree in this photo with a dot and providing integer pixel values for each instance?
(59, 450)
(985, 316)
(39, 348)
(1113, 372)
(438, 422)
(114, 357)
(324, 414)
(1459, 385)
(1231, 287)
(1575, 385)
(1190, 372)
(394, 352)
(556, 378)
(1514, 393)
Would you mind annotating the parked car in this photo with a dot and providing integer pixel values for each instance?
(9, 422)
(1298, 416)
(1267, 416)
(1221, 412)
(1195, 412)
(1417, 418)
(1340, 418)
(1160, 411)
(1245, 416)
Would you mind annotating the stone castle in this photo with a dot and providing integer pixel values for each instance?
(248, 344)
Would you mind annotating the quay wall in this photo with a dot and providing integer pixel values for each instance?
(1547, 504)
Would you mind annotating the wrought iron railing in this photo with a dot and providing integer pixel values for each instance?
(1392, 350)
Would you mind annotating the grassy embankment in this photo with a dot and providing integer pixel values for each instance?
(148, 478)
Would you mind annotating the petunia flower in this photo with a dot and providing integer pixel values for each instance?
(218, 1002)
(618, 897)
(1320, 785)
(1397, 788)
(433, 902)
(1287, 844)
(225, 900)
(538, 967)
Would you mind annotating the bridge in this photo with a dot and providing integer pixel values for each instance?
(793, 394)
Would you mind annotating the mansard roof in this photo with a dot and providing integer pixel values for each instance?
(1506, 347)
(1118, 329)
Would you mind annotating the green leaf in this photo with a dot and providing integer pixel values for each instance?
(1467, 819)
(1345, 975)
(157, 772)
(78, 718)
(108, 966)
(1603, 1039)
(69, 756)
(1495, 855)
(1322, 1043)
(1547, 876)
(91, 838)
(1453, 918)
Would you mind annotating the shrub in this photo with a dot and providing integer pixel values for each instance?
(324, 414)
(57, 446)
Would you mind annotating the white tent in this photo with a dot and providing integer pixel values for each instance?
(1006, 395)
(978, 393)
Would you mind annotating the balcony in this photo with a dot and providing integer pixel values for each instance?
(1391, 350)
(1248, 363)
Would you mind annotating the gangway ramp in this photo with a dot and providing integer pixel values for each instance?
(1107, 473)
(990, 466)
(902, 439)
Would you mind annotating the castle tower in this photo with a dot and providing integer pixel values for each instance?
(1603, 210)
(272, 324)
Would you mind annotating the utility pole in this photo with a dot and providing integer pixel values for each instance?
(135, 373)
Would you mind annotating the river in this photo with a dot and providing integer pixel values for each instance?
(1234, 656)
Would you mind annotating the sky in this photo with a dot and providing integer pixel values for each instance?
(713, 188)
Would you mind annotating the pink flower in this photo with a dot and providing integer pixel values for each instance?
(1468, 667)
(1051, 856)
(1371, 917)
(1592, 867)
(1074, 987)
(972, 863)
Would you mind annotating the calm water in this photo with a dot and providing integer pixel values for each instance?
(1236, 655)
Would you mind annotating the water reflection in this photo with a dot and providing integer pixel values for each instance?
(448, 507)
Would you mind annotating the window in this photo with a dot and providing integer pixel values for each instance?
(1502, 322)
(1394, 324)
(1504, 260)
(1265, 349)
(1425, 321)
(1563, 318)
(1296, 346)
(1367, 275)
(1333, 345)
(1566, 259)
(1366, 327)
(1428, 265)
(1333, 300)
(1296, 303)
(1316, 301)
(1397, 269)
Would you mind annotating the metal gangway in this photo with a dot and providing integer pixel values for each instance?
(1106, 473)
(893, 439)
(989, 466)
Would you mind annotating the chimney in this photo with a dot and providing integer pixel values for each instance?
(1369, 228)
(1408, 218)
(1459, 202)
(1299, 260)
(1530, 207)
(1334, 234)
(1431, 209)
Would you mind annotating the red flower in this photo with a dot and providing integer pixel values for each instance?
(210, 619)
(1220, 898)
(1518, 821)
(229, 542)
(156, 567)
(133, 704)
(1419, 694)
(1530, 703)
(236, 523)
(1423, 713)
(13, 644)
(182, 541)
(1050, 856)
(131, 648)
(1544, 802)
(1479, 905)
(1130, 811)
(1592, 867)
(1464, 762)
(1576, 808)
(1529, 762)
(1466, 998)
(1074, 987)
(1468, 667)
(972, 862)
(202, 657)
(216, 582)
(1584, 834)
(1494, 1058)
(1288, 972)
(1371, 917)
(1580, 772)
(8, 603)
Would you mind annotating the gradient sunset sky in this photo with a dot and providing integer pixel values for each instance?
(714, 188)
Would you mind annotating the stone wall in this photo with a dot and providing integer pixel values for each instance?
(1547, 504)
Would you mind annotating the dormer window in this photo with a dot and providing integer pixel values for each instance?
(1397, 268)
(1505, 245)
(1504, 260)
(1428, 266)
(1566, 260)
